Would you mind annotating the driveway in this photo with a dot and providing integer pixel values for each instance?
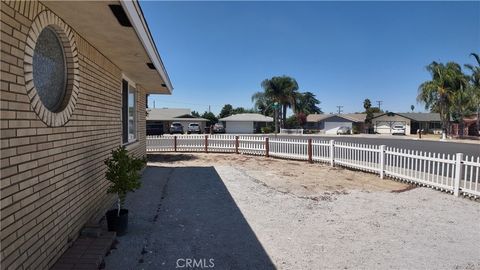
(222, 212)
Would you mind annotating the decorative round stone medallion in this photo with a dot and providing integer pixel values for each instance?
(51, 69)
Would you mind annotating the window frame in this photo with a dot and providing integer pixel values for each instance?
(128, 87)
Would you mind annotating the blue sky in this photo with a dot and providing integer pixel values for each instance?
(219, 52)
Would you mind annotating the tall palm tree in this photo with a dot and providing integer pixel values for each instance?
(262, 103)
(438, 93)
(281, 89)
(367, 104)
(475, 87)
(306, 103)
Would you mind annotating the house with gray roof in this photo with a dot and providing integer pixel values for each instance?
(245, 123)
(330, 123)
(428, 122)
(159, 120)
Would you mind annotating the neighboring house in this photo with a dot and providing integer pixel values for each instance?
(159, 120)
(330, 123)
(74, 79)
(469, 127)
(428, 122)
(245, 123)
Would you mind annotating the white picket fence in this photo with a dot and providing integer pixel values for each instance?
(457, 174)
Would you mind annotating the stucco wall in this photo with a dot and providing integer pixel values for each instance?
(52, 178)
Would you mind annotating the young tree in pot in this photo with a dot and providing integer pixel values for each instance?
(123, 171)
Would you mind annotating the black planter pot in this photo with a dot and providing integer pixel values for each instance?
(116, 223)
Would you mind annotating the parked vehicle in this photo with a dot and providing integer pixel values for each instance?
(398, 130)
(344, 131)
(194, 128)
(218, 128)
(176, 127)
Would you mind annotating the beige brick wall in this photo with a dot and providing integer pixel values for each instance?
(52, 179)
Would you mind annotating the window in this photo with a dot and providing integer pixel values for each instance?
(129, 112)
(49, 69)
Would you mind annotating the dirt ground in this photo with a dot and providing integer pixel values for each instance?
(300, 178)
(242, 212)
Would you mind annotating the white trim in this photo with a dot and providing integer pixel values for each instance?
(138, 22)
(130, 82)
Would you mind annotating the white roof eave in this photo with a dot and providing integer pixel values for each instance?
(135, 15)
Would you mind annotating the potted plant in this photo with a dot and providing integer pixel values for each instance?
(123, 171)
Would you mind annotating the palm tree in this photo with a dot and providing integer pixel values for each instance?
(474, 87)
(462, 104)
(367, 104)
(306, 103)
(438, 93)
(262, 103)
(282, 89)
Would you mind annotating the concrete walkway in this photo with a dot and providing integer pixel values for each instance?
(183, 216)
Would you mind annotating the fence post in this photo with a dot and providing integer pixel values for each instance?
(332, 153)
(236, 144)
(458, 174)
(175, 143)
(267, 147)
(382, 161)
(206, 143)
(309, 150)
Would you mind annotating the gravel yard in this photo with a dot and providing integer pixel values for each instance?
(244, 212)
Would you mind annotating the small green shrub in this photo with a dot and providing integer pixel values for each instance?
(267, 129)
(123, 171)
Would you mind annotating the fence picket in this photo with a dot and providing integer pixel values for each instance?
(426, 168)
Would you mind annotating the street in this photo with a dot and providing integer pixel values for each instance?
(470, 149)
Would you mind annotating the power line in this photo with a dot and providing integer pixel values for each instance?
(340, 109)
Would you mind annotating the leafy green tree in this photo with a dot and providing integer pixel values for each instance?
(438, 93)
(375, 110)
(195, 113)
(123, 171)
(307, 103)
(292, 122)
(367, 105)
(301, 118)
(226, 111)
(239, 110)
(212, 119)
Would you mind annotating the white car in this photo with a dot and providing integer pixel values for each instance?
(398, 130)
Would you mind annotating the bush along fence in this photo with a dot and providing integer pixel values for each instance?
(457, 174)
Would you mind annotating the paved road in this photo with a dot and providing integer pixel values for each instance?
(470, 149)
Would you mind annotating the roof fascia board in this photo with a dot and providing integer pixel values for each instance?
(399, 114)
(135, 15)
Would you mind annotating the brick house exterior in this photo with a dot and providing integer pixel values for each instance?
(52, 173)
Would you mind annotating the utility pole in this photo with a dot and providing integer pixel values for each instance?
(208, 108)
(340, 109)
(379, 102)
